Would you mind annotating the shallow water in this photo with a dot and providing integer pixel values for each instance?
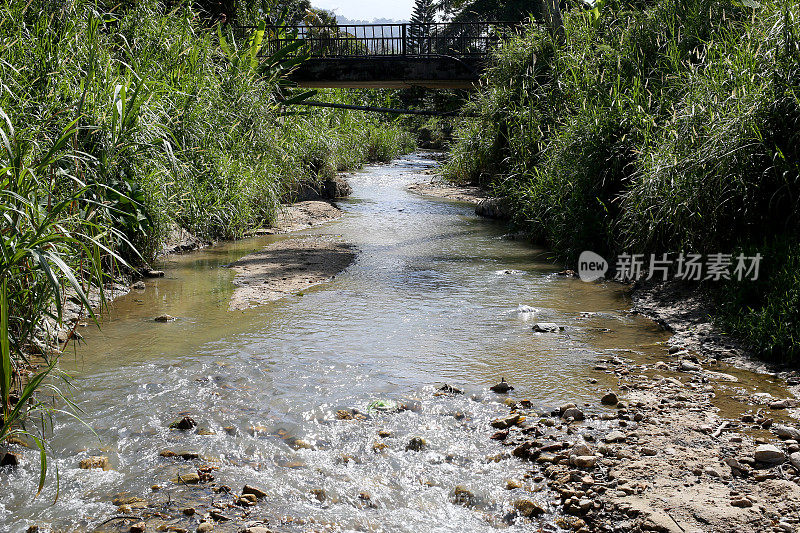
(434, 296)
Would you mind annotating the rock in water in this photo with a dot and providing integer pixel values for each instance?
(609, 399)
(528, 508)
(165, 318)
(255, 491)
(183, 424)
(450, 390)
(767, 453)
(97, 461)
(10, 459)
(795, 460)
(574, 413)
(547, 327)
(416, 444)
(502, 387)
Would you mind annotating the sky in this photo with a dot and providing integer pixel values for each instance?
(368, 10)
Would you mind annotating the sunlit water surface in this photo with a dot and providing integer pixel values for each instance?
(434, 296)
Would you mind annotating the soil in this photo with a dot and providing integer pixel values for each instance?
(288, 266)
(440, 189)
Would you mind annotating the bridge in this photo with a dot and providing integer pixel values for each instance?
(392, 56)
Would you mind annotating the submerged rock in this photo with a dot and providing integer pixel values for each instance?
(528, 508)
(96, 461)
(184, 424)
(547, 327)
(450, 390)
(463, 496)
(165, 318)
(10, 459)
(502, 387)
(416, 444)
(255, 491)
(609, 398)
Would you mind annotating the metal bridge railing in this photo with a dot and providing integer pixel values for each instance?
(463, 39)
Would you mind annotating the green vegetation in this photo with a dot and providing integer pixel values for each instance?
(655, 127)
(122, 122)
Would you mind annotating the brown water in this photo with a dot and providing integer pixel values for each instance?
(435, 295)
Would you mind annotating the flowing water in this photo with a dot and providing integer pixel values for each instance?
(435, 296)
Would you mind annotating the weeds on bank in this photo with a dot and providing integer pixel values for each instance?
(654, 127)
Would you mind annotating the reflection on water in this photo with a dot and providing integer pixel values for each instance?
(434, 296)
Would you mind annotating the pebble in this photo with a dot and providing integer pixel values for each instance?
(614, 436)
(609, 399)
(192, 478)
(154, 273)
(688, 366)
(547, 327)
(795, 460)
(779, 404)
(528, 508)
(205, 527)
(649, 452)
(463, 496)
(96, 461)
(255, 491)
(165, 318)
(767, 453)
(583, 461)
(139, 527)
(416, 444)
(574, 413)
(512, 484)
(183, 424)
(502, 387)
(741, 502)
(139, 286)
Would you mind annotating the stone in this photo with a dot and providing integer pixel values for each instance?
(139, 286)
(687, 366)
(257, 529)
(189, 511)
(497, 208)
(779, 404)
(795, 460)
(581, 449)
(463, 496)
(741, 502)
(255, 491)
(450, 390)
(165, 318)
(528, 508)
(416, 444)
(184, 424)
(786, 432)
(512, 484)
(205, 527)
(609, 399)
(565, 407)
(192, 478)
(547, 327)
(767, 453)
(502, 387)
(574, 413)
(649, 452)
(139, 527)
(154, 273)
(583, 461)
(96, 461)
(614, 436)
(507, 422)
(10, 459)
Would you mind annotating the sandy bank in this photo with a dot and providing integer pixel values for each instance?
(288, 267)
(439, 189)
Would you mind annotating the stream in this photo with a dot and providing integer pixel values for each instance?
(435, 296)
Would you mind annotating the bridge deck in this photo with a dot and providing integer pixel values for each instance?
(437, 55)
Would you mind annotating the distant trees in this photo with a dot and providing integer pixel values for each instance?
(420, 31)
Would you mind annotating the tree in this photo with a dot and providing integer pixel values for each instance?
(420, 30)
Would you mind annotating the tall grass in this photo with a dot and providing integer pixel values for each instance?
(653, 127)
(119, 123)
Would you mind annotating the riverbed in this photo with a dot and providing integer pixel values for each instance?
(434, 296)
